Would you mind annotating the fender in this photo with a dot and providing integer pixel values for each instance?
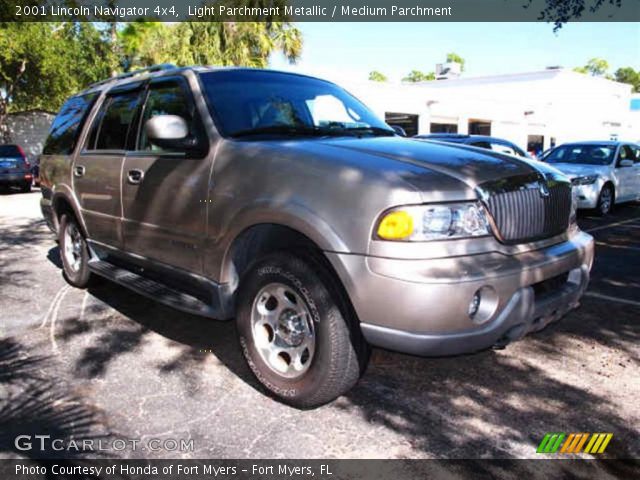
(294, 216)
(64, 192)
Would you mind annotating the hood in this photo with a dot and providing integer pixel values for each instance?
(471, 165)
(573, 170)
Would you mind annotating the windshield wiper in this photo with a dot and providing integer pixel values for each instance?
(290, 130)
(378, 131)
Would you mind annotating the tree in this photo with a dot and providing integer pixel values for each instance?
(416, 76)
(596, 67)
(561, 11)
(376, 76)
(208, 43)
(43, 63)
(630, 76)
(454, 57)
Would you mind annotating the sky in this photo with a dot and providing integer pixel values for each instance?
(354, 49)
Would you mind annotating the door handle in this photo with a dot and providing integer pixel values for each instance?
(78, 171)
(135, 176)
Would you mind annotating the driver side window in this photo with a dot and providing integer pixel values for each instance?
(167, 98)
(626, 153)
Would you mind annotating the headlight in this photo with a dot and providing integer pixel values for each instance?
(433, 222)
(586, 180)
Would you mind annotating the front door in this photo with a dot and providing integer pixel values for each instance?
(627, 176)
(98, 167)
(164, 193)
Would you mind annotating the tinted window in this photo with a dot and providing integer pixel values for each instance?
(67, 125)
(486, 145)
(628, 152)
(165, 99)
(247, 100)
(111, 126)
(9, 151)
(591, 154)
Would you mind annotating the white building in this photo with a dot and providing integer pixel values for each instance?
(534, 110)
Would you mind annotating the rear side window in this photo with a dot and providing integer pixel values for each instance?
(67, 125)
(110, 129)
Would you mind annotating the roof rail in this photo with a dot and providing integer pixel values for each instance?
(153, 68)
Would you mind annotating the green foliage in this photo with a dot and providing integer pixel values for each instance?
(597, 67)
(630, 76)
(43, 63)
(416, 76)
(454, 57)
(376, 76)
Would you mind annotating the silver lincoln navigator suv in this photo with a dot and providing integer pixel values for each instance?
(282, 201)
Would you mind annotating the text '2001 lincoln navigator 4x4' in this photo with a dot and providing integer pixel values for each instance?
(283, 202)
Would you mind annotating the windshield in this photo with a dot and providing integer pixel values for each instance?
(582, 154)
(247, 102)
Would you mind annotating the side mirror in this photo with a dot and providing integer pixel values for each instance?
(626, 163)
(169, 132)
(399, 130)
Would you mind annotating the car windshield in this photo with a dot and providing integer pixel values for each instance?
(582, 154)
(247, 103)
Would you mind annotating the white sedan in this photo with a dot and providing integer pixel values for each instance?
(603, 173)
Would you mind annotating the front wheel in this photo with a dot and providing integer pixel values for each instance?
(295, 332)
(74, 252)
(605, 200)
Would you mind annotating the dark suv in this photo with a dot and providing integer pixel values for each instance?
(480, 141)
(15, 170)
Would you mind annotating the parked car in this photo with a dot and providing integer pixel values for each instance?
(282, 201)
(15, 170)
(603, 173)
(480, 141)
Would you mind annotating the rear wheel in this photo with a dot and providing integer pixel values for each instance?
(74, 252)
(299, 340)
(605, 200)
(26, 187)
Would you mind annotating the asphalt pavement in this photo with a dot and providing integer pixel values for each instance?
(108, 364)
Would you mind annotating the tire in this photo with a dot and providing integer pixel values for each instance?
(26, 187)
(605, 200)
(297, 335)
(75, 258)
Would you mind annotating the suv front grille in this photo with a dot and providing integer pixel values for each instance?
(524, 214)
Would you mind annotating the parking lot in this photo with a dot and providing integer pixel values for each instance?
(107, 363)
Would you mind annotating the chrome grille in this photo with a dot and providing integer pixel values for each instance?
(526, 215)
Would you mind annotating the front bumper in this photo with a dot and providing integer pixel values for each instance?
(588, 195)
(422, 306)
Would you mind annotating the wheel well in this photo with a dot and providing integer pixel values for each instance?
(613, 188)
(62, 206)
(259, 240)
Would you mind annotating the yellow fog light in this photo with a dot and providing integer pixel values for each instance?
(396, 226)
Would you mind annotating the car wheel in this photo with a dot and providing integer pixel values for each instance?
(26, 187)
(74, 252)
(605, 200)
(298, 338)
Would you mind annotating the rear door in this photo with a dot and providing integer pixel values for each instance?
(97, 170)
(164, 193)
